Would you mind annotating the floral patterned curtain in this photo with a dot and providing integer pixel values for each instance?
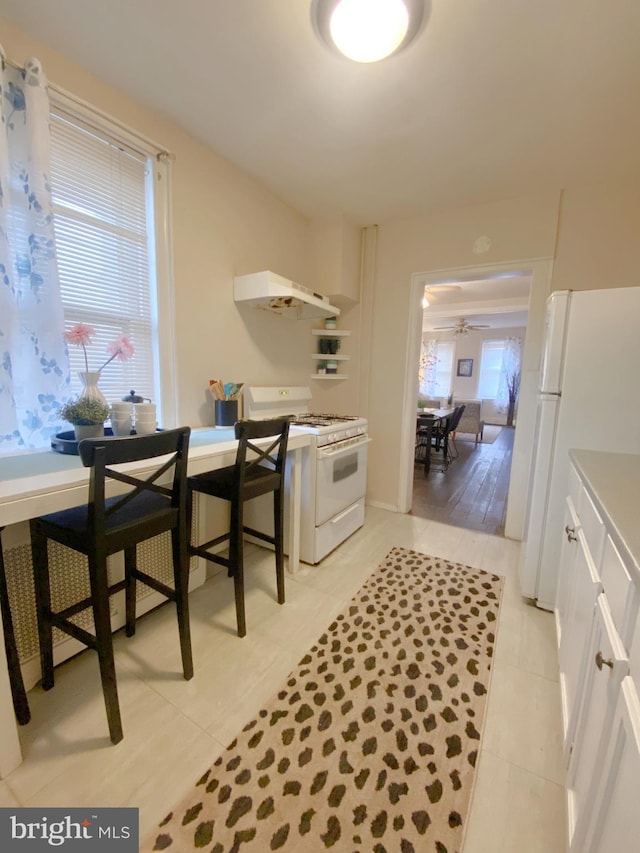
(509, 372)
(427, 370)
(34, 365)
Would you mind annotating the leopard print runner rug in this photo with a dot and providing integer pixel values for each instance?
(371, 744)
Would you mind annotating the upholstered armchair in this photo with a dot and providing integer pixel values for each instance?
(470, 421)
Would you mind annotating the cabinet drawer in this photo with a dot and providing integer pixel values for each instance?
(619, 589)
(593, 528)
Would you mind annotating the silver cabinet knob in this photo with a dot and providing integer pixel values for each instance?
(571, 533)
(600, 661)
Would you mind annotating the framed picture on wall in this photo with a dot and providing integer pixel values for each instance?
(465, 367)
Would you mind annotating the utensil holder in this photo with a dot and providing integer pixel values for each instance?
(226, 413)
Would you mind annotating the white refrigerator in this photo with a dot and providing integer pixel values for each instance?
(588, 399)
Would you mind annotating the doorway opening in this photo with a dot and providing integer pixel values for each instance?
(485, 486)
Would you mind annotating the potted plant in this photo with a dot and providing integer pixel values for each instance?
(513, 388)
(87, 414)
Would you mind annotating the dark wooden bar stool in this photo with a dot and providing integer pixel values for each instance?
(18, 693)
(106, 526)
(256, 471)
(424, 431)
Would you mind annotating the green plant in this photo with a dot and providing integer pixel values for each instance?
(84, 411)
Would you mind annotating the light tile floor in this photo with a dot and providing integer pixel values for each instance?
(175, 729)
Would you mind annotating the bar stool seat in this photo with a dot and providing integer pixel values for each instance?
(257, 471)
(106, 526)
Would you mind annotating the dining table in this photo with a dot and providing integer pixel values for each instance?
(34, 483)
(437, 417)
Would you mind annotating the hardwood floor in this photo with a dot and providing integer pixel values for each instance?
(472, 492)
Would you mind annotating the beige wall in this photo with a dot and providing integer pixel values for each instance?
(598, 236)
(224, 223)
(590, 232)
(470, 346)
(518, 229)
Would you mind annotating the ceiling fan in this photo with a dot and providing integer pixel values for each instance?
(461, 327)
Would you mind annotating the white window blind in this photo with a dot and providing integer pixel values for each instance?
(444, 368)
(490, 366)
(103, 208)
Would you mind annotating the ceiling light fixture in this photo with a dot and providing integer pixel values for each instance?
(367, 30)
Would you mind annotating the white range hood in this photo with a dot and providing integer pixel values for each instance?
(272, 292)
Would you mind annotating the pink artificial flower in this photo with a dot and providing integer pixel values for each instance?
(121, 348)
(79, 335)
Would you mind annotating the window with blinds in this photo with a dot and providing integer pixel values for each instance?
(444, 368)
(104, 222)
(490, 367)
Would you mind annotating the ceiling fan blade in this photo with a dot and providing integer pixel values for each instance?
(477, 327)
(444, 328)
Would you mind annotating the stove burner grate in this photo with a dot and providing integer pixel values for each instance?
(322, 419)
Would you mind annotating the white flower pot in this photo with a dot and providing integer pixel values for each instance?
(88, 431)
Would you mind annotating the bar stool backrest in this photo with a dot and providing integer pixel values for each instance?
(250, 455)
(101, 454)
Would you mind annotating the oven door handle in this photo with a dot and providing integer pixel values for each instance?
(334, 450)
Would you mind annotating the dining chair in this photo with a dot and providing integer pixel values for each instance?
(443, 438)
(257, 471)
(448, 434)
(147, 503)
(424, 433)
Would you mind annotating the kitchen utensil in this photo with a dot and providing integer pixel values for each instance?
(216, 388)
(132, 397)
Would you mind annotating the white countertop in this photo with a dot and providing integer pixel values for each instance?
(39, 482)
(613, 482)
(28, 480)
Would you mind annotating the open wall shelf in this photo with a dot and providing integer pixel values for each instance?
(321, 356)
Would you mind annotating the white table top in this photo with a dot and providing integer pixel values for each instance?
(38, 482)
(435, 413)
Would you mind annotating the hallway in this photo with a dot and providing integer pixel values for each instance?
(472, 492)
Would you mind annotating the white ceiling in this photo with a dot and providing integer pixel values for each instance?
(499, 302)
(497, 98)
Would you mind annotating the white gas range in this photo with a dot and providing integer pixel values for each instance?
(334, 467)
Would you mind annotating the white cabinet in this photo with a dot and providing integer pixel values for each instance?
(578, 588)
(606, 664)
(613, 824)
(566, 575)
(597, 609)
(576, 627)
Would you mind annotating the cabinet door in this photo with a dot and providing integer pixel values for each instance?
(581, 598)
(566, 569)
(615, 816)
(606, 666)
